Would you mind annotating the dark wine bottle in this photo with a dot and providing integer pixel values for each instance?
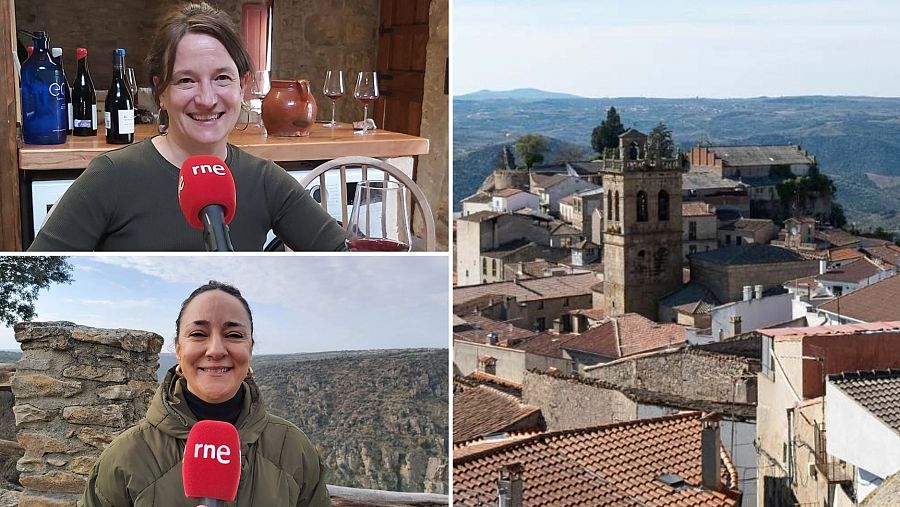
(84, 99)
(119, 115)
(57, 54)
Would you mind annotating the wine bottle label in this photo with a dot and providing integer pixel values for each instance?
(107, 119)
(93, 124)
(126, 121)
(70, 115)
(83, 124)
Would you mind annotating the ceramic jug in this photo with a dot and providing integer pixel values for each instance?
(289, 109)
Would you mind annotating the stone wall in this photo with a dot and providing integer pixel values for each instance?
(568, 403)
(75, 389)
(688, 373)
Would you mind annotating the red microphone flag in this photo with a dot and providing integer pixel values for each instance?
(205, 180)
(212, 461)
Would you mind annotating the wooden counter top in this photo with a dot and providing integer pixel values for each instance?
(323, 143)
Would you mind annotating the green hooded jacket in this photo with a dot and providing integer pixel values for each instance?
(142, 466)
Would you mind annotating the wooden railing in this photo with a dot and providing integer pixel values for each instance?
(354, 497)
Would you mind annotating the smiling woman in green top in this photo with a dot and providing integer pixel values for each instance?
(213, 380)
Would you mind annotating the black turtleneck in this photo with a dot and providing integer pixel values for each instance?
(227, 411)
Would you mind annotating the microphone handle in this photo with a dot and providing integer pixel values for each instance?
(212, 502)
(215, 230)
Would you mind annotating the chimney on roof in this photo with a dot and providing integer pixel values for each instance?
(509, 485)
(492, 338)
(757, 291)
(735, 325)
(748, 293)
(710, 462)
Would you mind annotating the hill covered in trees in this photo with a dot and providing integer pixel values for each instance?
(856, 140)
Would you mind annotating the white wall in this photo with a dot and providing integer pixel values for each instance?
(755, 314)
(856, 436)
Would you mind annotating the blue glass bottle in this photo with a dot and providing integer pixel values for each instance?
(44, 111)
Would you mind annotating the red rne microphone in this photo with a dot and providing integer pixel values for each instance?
(211, 469)
(207, 198)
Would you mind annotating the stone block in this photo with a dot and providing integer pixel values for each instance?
(31, 500)
(95, 438)
(101, 415)
(98, 373)
(38, 444)
(57, 462)
(82, 465)
(31, 386)
(54, 482)
(9, 498)
(32, 361)
(29, 413)
(116, 393)
(30, 465)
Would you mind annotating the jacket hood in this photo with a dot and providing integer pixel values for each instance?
(170, 414)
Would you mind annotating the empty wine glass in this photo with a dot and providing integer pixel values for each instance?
(379, 222)
(333, 89)
(258, 90)
(366, 92)
(131, 83)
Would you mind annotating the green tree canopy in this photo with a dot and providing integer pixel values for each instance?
(21, 278)
(606, 135)
(659, 142)
(531, 149)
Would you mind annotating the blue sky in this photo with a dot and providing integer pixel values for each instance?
(678, 48)
(299, 303)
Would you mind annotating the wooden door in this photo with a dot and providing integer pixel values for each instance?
(10, 227)
(402, 40)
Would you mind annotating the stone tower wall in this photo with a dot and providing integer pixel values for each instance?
(75, 389)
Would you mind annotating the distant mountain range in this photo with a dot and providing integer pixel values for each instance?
(856, 140)
(517, 94)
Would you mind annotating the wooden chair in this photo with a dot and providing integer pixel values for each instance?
(389, 172)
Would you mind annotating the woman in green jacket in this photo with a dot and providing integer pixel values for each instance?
(213, 380)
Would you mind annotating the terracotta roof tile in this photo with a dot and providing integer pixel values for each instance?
(837, 237)
(639, 334)
(855, 272)
(476, 329)
(844, 254)
(887, 253)
(613, 465)
(481, 411)
(480, 216)
(762, 155)
(530, 290)
(876, 302)
(697, 209)
(507, 192)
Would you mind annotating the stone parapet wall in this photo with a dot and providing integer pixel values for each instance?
(688, 373)
(75, 389)
(569, 403)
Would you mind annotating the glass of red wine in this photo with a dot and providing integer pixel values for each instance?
(366, 92)
(379, 222)
(333, 89)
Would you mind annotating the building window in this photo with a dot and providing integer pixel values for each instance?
(692, 230)
(484, 266)
(540, 324)
(540, 305)
(642, 206)
(728, 239)
(617, 206)
(565, 302)
(494, 267)
(692, 249)
(737, 240)
(662, 201)
(607, 212)
(641, 261)
(768, 360)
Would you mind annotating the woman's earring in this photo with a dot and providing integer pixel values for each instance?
(250, 372)
(178, 372)
(163, 118)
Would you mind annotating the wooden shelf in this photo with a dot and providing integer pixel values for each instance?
(322, 143)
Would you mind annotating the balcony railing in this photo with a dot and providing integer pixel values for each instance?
(834, 470)
(616, 165)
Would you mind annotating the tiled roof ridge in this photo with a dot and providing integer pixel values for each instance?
(508, 397)
(484, 376)
(692, 414)
(847, 376)
(512, 436)
(682, 348)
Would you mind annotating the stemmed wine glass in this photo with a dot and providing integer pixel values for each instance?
(379, 222)
(333, 89)
(366, 92)
(258, 90)
(131, 83)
